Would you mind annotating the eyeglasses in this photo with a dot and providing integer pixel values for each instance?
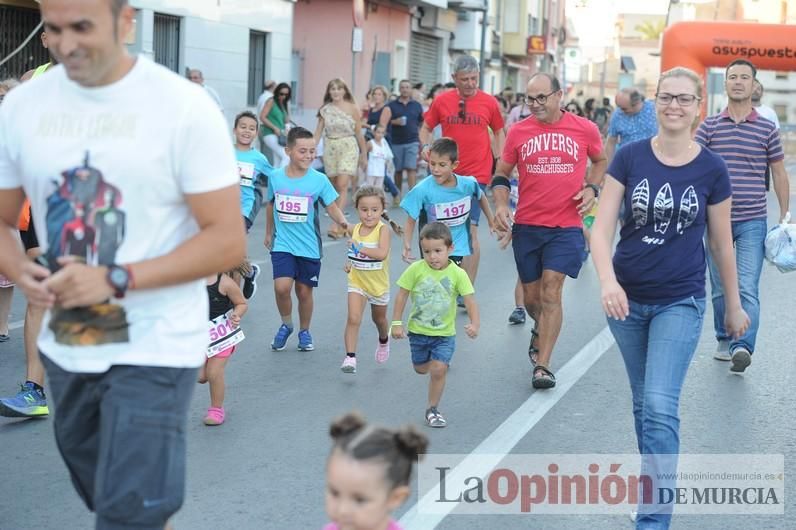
(684, 100)
(462, 109)
(540, 99)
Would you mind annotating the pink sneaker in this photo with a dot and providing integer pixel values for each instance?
(215, 416)
(383, 352)
(349, 365)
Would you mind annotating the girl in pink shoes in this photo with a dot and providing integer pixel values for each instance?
(367, 474)
(368, 268)
(227, 306)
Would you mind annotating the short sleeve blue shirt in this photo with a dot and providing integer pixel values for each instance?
(252, 166)
(428, 202)
(296, 200)
(633, 127)
(660, 258)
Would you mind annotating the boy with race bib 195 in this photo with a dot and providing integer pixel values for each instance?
(292, 233)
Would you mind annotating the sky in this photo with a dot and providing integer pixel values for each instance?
(594, 19)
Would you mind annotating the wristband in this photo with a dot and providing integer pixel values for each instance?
(425, 146)
(595, 188)
(500, 180)
(396, 323)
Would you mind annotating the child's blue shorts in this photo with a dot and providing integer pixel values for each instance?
(425, 348)
(304, 270)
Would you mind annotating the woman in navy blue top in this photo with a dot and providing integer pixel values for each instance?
(653, 291)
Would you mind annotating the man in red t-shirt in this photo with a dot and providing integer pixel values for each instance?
(470, 116)
(551, 150)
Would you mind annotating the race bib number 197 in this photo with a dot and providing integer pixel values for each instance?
(453, 213)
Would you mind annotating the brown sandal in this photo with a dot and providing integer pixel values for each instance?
(533, 351)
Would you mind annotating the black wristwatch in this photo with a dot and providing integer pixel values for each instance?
(119, 278)
(595, 188)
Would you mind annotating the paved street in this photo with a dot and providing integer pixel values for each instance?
(264, 468)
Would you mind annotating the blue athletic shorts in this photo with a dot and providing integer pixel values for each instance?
(425, 348)
(304, 270)
(475, 208)
(537, 248)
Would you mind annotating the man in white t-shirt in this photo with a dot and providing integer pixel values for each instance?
(764, 110)
(134, 192)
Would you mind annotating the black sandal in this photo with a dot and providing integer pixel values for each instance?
(545, 380)
(533, 351)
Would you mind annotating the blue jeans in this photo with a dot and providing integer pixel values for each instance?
(749, 240)
(657, 343)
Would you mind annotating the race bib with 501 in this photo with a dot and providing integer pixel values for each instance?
(291, 208)
(223, 334)
(453, 213)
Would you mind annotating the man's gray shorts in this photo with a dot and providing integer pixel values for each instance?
(121, 434)
(405, 156)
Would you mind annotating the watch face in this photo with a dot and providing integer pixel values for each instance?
(118, 277)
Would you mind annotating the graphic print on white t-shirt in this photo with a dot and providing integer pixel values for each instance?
(663, 208)
(85, 221)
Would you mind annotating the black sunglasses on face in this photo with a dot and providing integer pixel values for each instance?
(462, 113)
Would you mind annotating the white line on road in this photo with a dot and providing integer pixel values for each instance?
(510, 432)
(19, 323)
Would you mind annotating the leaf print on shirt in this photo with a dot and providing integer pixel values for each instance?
(432, 301)
(640, 202)
(664, 209)
(689, 208)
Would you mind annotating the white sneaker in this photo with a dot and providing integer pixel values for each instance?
(349, 365)
(741, 359)
(723, 351)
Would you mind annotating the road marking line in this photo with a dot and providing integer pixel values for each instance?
(510, 432)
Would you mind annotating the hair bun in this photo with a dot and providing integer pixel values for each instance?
(411, 442)
(345, 425)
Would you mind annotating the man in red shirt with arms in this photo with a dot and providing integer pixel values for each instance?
(550, 150)
(467, 114)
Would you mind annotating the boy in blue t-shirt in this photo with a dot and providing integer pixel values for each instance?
(446, 197)
(253, 168)
(292, 233)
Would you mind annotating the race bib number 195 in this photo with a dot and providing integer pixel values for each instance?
(291, 208)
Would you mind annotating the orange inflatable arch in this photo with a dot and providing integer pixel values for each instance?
(701, 45)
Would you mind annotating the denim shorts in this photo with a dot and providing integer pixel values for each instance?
(304, 270)
(425, 348)
(405, 156)
(475, 208)
(538, 248)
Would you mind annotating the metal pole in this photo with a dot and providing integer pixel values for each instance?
(484, 23)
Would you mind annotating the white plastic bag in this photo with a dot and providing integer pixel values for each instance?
(781, 246)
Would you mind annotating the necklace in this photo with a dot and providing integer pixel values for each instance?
(656, 146)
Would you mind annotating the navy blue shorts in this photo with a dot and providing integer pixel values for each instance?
(538, 248)
(304, 270)
(425, 348)
(475, 208)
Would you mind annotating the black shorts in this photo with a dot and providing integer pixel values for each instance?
(537, 248)
(29, 239)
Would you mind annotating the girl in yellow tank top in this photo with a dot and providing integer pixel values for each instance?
(368, 268)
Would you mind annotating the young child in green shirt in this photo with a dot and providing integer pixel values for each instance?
(434, 283)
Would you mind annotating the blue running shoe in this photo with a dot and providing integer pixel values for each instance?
(305, 341)
(280, 339)
(29, 403)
